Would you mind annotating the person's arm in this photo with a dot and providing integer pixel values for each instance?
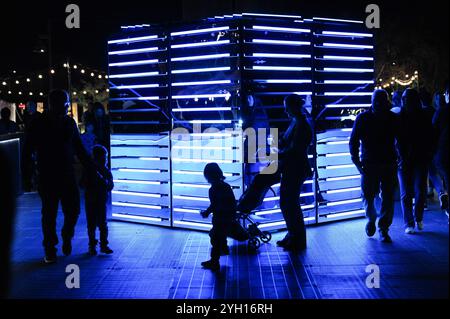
(355, 143)
(29, 146)
(80, 151)
(213, 205)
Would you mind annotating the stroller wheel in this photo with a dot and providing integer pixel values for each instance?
(266, 237)
(254, 243)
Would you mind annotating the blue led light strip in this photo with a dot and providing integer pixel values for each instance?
(280, 29)
(200, 96)
(339, 106)
(339, 215)
(347, 34)
(131, 63)
(120, 204)
(347, 46)
(287, 81)
(338, 20)
(199, 31)
(346, 58)
(282, 42)
(349, 70)
(133, 75)
(280, 68)
(201, 83)
(137, 39)
(133, 51)
(348, 82)
(201, 109)
(143, 86)
(199, 44)
(281, 55)
(201, 57)
(227, 68)
(134, 217)
(272, 15)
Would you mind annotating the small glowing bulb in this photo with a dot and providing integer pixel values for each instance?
(17, 82)
(92, 74)
(52, 71)
(99, 76)
(28, 80)
(82, 71)
(31, 93)
(41, 94)
(74, 93)
(4, 83)
(75, 66)
(9, 92)
(84, 92)
(96, 91)
(20, 93)
(40, 76)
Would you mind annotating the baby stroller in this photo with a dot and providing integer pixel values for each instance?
(249, 201)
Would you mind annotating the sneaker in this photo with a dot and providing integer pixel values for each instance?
(370, 229)
(283, 243)
(106, 250)
(67, 247)
(294, 247)
(420, 225)
(443, 200)
(211, 264)
(92, 251)
(384, 237)
(409, 230)
(50, 258)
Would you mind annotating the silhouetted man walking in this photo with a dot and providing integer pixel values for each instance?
(374, 130)
(55, 138)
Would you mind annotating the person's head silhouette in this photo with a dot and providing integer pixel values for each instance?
(411, 100)
(213, 173)
(99, 110)
(58, 102)
(380, 101)
(293, 105)
(100, 155)
(5, 114)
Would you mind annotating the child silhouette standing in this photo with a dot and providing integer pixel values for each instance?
(223, 208)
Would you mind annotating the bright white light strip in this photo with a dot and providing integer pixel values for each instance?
(132, 75)
(281, 68)
(141, 98)
(337, 20)
(133, 51)
(201, 83)
(199, 31)
(197, 173)
(281, 55)
(202, 109)
(272, 224)
(134, 170)
(15, 140)
(201, 57)
(356, 212)
(340, 166)
(142, 62)
(199, 96)
(348, 82)
(219, 148)
(133, 217)
(283, 42)
(338, 155)
(348, 94)
(337, 106)
(199, 44)
(337, 142)
(137, 194)
(350, 46)
(185, 210)
(344, 178)
(180, 222)
(272, 15)
(136, 205)
(287, 81)
(213, 134)
(150, 37)
(346, 58)
(210, 121)
(347, 70)
(267, 28)
(344, 190)
(149, 158)
(271, 199)
(197, 160)
(191, 185)
(350, 201)
(127, 181)
(201, 70)
(198, 199)
(143, 86)
(349, 34)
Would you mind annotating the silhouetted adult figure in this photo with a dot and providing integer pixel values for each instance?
(396, 101)
(6, 125)
(7, 204)
(415, 151)
(295, 169)
(374, 131)
(101, 125)
(440, 124)
(55, 138)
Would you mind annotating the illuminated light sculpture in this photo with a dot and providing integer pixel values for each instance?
(178, 99)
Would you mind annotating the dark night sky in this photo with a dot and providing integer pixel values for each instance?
(20, 23)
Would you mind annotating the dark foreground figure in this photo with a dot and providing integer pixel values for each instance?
(55, 138)
(223, 208)
(375, 132)
(98, 187)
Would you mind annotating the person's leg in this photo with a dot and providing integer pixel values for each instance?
(290, 189)
(388, 175)
(70, 202)
(217, 236)
(103, 228)
(435, 178)
(50, 200)
(370, 189)
(91, 223)
(406, 190)
(420, 192)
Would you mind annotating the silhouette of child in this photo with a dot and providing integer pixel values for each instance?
(88, 138)
(98, 187)
(223, 208)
